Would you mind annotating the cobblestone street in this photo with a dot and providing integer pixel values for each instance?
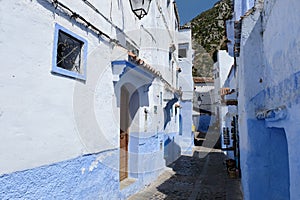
(200, 176)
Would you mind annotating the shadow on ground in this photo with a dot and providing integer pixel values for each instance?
(197, 177)
(201, 176)
(211, 139)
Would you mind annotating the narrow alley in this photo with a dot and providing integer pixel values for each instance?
(150, 100)
(202, 175)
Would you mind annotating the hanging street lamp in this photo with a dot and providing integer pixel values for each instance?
(140, 7)
(199, 101)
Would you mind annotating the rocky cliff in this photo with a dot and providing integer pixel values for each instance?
(209, 35)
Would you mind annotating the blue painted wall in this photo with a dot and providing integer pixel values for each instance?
(269, 150)
(269, 146)
(286, 92)
(186, 139)
(94, 176)
(65, 180)
(265, 152)
(172, 150)
(204, 122)
(186, 113)
(266, 170)
(279, 164)
(145, 161)
(266, 164)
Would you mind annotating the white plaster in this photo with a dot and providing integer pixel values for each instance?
(37, 123)
(225, 63)
(222, 67)
(46, 118)
(185, 76)
(204, 88)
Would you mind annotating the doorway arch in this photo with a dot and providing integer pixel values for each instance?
(279, 165)
(129, 106)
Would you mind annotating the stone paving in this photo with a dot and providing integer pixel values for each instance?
(198, 177)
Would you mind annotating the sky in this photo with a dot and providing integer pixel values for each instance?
(188, 9)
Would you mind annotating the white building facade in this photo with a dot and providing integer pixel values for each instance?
(222, 69)
(204, 107)
(89, 89)
(186, 85)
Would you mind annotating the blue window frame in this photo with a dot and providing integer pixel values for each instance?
(69, 54)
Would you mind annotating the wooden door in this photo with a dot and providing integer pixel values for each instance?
(123, 155)
(124, 133)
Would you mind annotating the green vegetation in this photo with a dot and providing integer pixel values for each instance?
(209, 35)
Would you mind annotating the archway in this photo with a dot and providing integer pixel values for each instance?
(279, 165)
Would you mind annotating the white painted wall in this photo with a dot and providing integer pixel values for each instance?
(222, 68)
(185, 76)
(225, 62)
(206, 91)
(46, 118)
(207, 87)
(37, 112)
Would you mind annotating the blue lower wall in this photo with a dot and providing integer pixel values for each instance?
(186, 117)
(94, 176)
(172, 150)
(80, 178)
(279, 165)
(266, 170)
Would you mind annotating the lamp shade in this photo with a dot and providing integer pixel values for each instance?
(140, 7)
(199, 100)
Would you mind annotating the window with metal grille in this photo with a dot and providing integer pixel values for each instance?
(69, 54)
(182, 50)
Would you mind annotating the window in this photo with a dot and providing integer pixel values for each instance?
(69, 54)
(168, 2)
(216, 75)
(170, 56)
(182, 50)
(172, 48)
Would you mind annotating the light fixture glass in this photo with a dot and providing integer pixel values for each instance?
(199, 101)
(140, 7)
